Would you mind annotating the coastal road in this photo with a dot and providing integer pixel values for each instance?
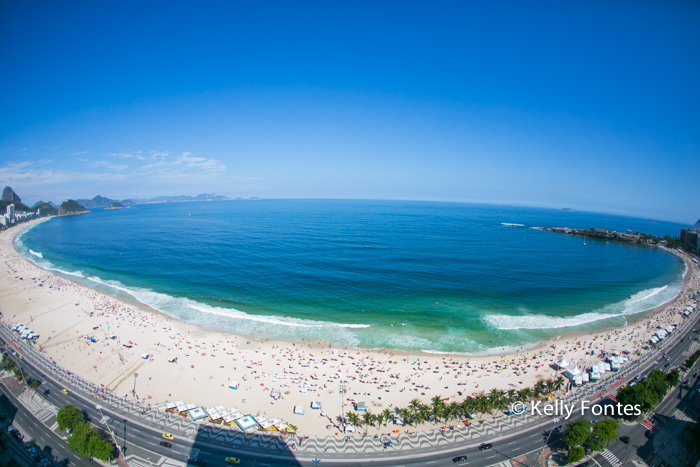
(514, 443)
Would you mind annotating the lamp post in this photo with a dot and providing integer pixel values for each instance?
(104, 420)
(342, 390)
(133, 392)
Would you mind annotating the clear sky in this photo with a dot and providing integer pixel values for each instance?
(587, 105)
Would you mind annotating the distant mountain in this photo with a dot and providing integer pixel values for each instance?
(567, 209)
(8, 194)
(96, 202)
(697, 225)
(46, 209)
(253, 199)
(115, 206)
(71, 208)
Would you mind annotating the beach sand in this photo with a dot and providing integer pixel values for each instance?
(66, 314)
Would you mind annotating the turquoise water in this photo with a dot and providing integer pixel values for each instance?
(380, 274)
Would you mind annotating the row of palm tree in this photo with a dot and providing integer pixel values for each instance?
(497, 400)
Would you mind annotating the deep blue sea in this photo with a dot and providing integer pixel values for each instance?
(378, 274)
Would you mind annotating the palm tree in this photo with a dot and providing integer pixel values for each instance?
(494, 398)
(405, 414)
(367, 418)
(537, 390)
(414, 405)
(467, 407)
(35, 385)
(387, 416)
(559, 382)
(450, 411)
(525, 395)
(549, 386)
(426, 413)
(379, 418)
(437, 404)
(353, 418)
(8, 363)
(481, 404)
(511, 396)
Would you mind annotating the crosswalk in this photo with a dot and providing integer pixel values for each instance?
(610, 457)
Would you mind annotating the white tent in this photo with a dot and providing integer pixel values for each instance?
(563, 363)
(145, 356)
(299, 409)
(172, 360)
(315, 405)
(571, 373)
(233, 384)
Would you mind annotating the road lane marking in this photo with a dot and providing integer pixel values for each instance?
(511, 443)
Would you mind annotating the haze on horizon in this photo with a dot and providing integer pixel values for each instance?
(590, 106)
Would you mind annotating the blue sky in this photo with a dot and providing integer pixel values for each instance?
(590, 105)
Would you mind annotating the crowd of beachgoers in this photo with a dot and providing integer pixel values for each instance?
(108, 341)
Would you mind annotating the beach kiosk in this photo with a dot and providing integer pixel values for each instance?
(197, 413)
(233, 384)
(299, 409)
(246, 423)
(572, 373)
(563, 364)
(315, 405)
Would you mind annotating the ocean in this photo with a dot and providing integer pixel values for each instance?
(439, 277)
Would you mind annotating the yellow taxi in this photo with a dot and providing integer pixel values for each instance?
(64, 391)
(232, 460)
(168, 436)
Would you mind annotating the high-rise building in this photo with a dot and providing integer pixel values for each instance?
(11, 210)
(690, 237)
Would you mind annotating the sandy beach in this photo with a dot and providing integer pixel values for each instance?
(66, 315)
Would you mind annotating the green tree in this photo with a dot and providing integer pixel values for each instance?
(88, 442)
(525, 394)
(8, 363)
(352, 418)
(406, 415)
(577, 432)
(69, 417)
(656, 382)
(575, 454)
(559, 383)
(386, 415)
(603, 432)
(367, 418)
(673, 378)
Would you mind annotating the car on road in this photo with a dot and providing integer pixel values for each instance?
(168, 436)
(583, 464)
(485, 446)
(197, 462)
(165, 444)
(625, 439)
(459, 459)
(64, 391)
(232, 460)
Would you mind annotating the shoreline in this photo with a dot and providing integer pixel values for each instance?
(261, 363)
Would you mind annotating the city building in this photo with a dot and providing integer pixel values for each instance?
(690, 237)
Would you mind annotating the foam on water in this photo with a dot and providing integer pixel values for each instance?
(638, 303)
(508, 224)
(38, 255)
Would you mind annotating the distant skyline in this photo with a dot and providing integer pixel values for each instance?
(589, 106)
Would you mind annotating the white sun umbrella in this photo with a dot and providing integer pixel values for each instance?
(563, 363)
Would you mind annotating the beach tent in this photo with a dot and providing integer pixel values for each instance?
(197, 413)
(275, 394)
(170, 406)
(563, 363)
(595, 375)
(145, 356)
(578, 380)
(571, 373)
(172, 360)
(586, 377)
(246, 423)
(315, 405)
(398, 421)
(213, 414)
(233, 384)
(349, 428)
(191, 406)
(361, 407)
(299, 409)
